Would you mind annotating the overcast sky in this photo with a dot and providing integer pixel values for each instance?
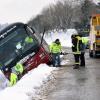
(21, 10)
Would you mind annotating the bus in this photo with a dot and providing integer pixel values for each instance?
(94, 36)
(20, 43)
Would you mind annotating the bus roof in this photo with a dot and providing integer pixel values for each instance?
(10, 26)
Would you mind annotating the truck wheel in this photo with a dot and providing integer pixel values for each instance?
(91, 54)
(94, 54)
(94, 51)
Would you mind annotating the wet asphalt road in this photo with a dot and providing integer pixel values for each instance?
(77, 84)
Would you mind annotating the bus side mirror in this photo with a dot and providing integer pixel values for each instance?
(32, 30)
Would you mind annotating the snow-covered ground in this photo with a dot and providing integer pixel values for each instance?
(27, 87)
(96, 1)
(65, 37)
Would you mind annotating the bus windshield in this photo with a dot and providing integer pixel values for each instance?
(17, 43)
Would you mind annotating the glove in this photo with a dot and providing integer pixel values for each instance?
(50, 53)
(66, 53)
(61, 53)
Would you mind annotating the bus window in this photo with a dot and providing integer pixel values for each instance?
(15, 44)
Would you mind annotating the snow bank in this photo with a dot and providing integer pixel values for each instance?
(65, 37)
(27, 86)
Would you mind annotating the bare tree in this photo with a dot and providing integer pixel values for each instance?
(87, 8)
(63, 14)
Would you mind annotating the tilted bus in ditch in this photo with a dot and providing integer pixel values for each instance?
(19, 43)
(94, 35)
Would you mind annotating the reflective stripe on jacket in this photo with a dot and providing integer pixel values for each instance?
(55, 48)
(76, 45)
(78, 48)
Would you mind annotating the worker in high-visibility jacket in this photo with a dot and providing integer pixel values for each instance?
(13, 78)
(55, 49)
(83, 48)
(85, 41)
(29, 39)
(76, 49)
(19, 68)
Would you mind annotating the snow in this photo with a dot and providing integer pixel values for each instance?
(28, 85)
(64, 37)
(96, 1)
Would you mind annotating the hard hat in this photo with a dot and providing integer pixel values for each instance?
(73, 35)
(57, 40)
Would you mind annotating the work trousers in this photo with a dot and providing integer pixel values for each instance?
(82, 59)
(77, 59)
(56, 59)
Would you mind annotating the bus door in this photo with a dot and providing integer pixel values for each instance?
(42, 56)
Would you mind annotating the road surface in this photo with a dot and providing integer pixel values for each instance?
(75, 84)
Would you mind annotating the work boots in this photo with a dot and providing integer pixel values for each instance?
(76, 67)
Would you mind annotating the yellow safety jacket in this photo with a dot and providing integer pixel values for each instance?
(85, 40)
(55, 48)
(13, 79)
(29, 40)
(76, 45)
(19, 68)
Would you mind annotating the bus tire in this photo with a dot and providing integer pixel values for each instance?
(49, 63)
(94, 51)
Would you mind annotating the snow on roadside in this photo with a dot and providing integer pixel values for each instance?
(27, 86)
(65, 37)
